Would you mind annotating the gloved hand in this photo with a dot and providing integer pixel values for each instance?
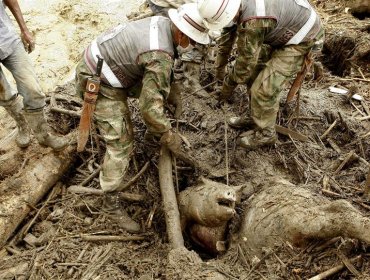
(173, 142)
(174, 98)
(28, 41)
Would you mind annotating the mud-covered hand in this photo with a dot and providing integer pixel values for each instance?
(28, 41)
(173, 141)
(174, 98)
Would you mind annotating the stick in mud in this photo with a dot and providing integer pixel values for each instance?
(333, 270)
(171, 209)
(367, 186)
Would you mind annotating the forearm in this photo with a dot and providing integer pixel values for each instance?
(156, 87)
(17, 13)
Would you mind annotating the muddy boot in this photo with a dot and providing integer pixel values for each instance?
(241, 122)
(255, 139)
(113, 208)
(14, 109)
(38, 124)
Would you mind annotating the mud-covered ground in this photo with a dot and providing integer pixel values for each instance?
(66, 218)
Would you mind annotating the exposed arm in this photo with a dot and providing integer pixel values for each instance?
(26, 35)
(251, 35)
(156, 87)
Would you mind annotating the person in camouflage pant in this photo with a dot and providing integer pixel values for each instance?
(113, 116)
(264, 65)
(138, 60)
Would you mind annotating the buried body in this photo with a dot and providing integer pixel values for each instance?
(279, 212)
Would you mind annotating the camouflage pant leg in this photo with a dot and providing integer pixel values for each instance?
(225, 45)
(283, 65)
(113, 120)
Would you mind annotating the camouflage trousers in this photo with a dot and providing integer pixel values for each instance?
(275, 68)
(282, 65)
(113, 120)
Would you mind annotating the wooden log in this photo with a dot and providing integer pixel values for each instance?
(292, 133)
(171, 209)
(367, 186)
(111, 238)
(333, 270)
(27, 188)
(91, 191)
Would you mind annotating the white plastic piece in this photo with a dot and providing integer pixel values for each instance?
(345, 91)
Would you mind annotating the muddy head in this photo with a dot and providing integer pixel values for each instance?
(209, 204)
(205, 210)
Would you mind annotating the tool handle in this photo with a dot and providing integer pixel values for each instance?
(99, 66)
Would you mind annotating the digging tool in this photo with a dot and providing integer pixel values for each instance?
(90, 96)
(296, 86)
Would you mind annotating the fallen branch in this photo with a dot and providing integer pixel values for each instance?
(96, 263)
(111, 238)
(124, 195)
(169, 199)
(348, 264)
(367, 186)
(334, 145)
(333, 270)
(80, 256)
(51, 196)
(135, 178)
(36, 179)
(65, 112)
(347, 158)
(202, 88)
(322, 137)
(91, 177)
(289, 132)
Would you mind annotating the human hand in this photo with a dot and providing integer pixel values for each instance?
(28, 41)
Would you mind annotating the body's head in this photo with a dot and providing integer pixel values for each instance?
(218, 13)
(188, 26)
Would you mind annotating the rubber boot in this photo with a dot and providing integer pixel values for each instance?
(14, 109)
(113, 208)
(37, 122)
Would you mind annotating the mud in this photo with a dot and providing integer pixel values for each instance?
(66, 255)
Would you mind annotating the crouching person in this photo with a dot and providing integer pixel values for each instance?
(136, 53)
